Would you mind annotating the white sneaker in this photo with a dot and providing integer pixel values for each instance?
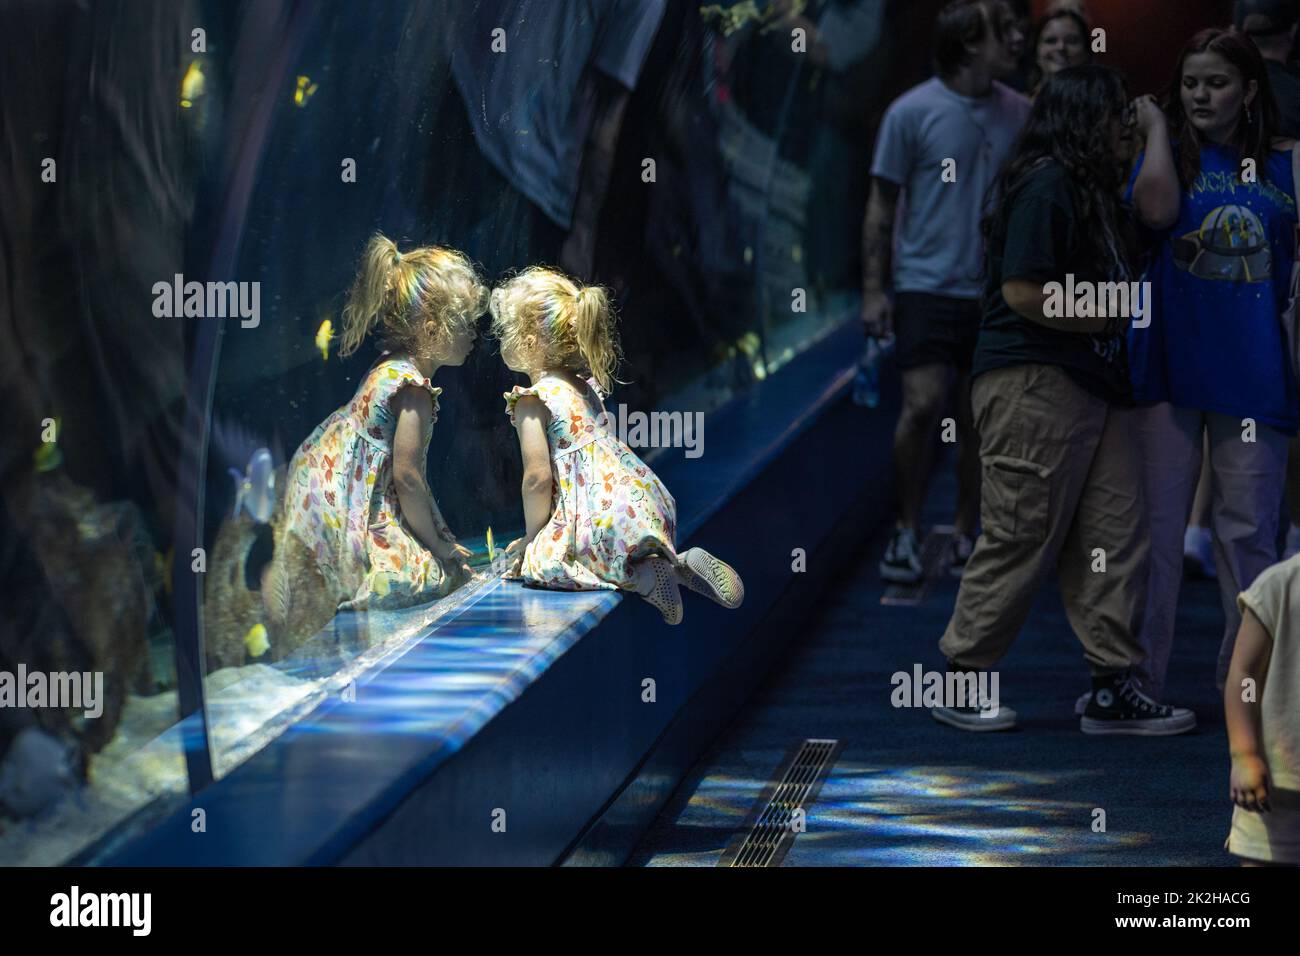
(655, 581)
(902, 561)
(706, 574)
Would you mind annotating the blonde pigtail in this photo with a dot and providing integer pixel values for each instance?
(593, 326)
(367, 300)
(541, 316)
(404, 292)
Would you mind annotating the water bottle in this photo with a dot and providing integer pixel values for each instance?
(866, 383)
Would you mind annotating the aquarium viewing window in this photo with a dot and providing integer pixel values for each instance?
(176, 517)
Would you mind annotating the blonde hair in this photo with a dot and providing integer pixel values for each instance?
(557, 324)
(401, 291)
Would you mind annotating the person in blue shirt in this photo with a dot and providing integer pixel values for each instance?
(1273, 25)
(1215, 185)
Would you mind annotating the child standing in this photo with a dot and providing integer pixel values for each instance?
(357, 506)
(1261, 703)
(596, 515)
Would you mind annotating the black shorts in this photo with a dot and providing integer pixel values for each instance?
(931, 329)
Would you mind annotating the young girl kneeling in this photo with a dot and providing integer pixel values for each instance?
(596, 515)
(358, 510)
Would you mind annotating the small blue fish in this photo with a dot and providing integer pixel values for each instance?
(255, 488)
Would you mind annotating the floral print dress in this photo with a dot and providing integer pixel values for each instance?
(340, 500)
(608, 509)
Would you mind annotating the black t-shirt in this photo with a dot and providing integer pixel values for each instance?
(1286, 94)
(1039, 239)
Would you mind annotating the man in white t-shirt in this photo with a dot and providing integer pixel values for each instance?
(939, 149)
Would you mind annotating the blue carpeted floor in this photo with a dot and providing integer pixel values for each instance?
(908, 791)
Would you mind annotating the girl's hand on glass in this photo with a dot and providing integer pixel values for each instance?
(1249, 783)
(515, 555)
(460, 573)
(451, 552)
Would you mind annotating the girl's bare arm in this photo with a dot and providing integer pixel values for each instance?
(414, 410)
(1249, 784)
(531, 419)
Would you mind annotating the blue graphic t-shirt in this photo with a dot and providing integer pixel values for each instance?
(1219, 282)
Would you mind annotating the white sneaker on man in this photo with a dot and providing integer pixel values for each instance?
(902, 561)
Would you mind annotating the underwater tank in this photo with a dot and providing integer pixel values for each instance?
(191, 188)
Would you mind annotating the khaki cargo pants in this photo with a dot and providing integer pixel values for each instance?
(1061, 489)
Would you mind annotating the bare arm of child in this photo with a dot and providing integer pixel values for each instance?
(1249, 783)
(531, 419)
(414, 410)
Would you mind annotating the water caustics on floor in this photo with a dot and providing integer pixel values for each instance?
(908, 791)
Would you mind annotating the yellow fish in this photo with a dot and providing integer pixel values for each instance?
(48, 457)
(492, 552)
(255, 641)
(303, 91)
(324, 335)
(193, 84)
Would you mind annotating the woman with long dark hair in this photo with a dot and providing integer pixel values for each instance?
(1218, 186)
(1060, 485)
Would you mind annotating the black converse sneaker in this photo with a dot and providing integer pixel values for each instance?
(902, 561)
(1118, 706)
(979, 716)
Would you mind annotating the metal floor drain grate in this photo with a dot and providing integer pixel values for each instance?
(795, 787)
(934, 559)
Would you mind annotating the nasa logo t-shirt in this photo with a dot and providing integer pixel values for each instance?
(1220, 280)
